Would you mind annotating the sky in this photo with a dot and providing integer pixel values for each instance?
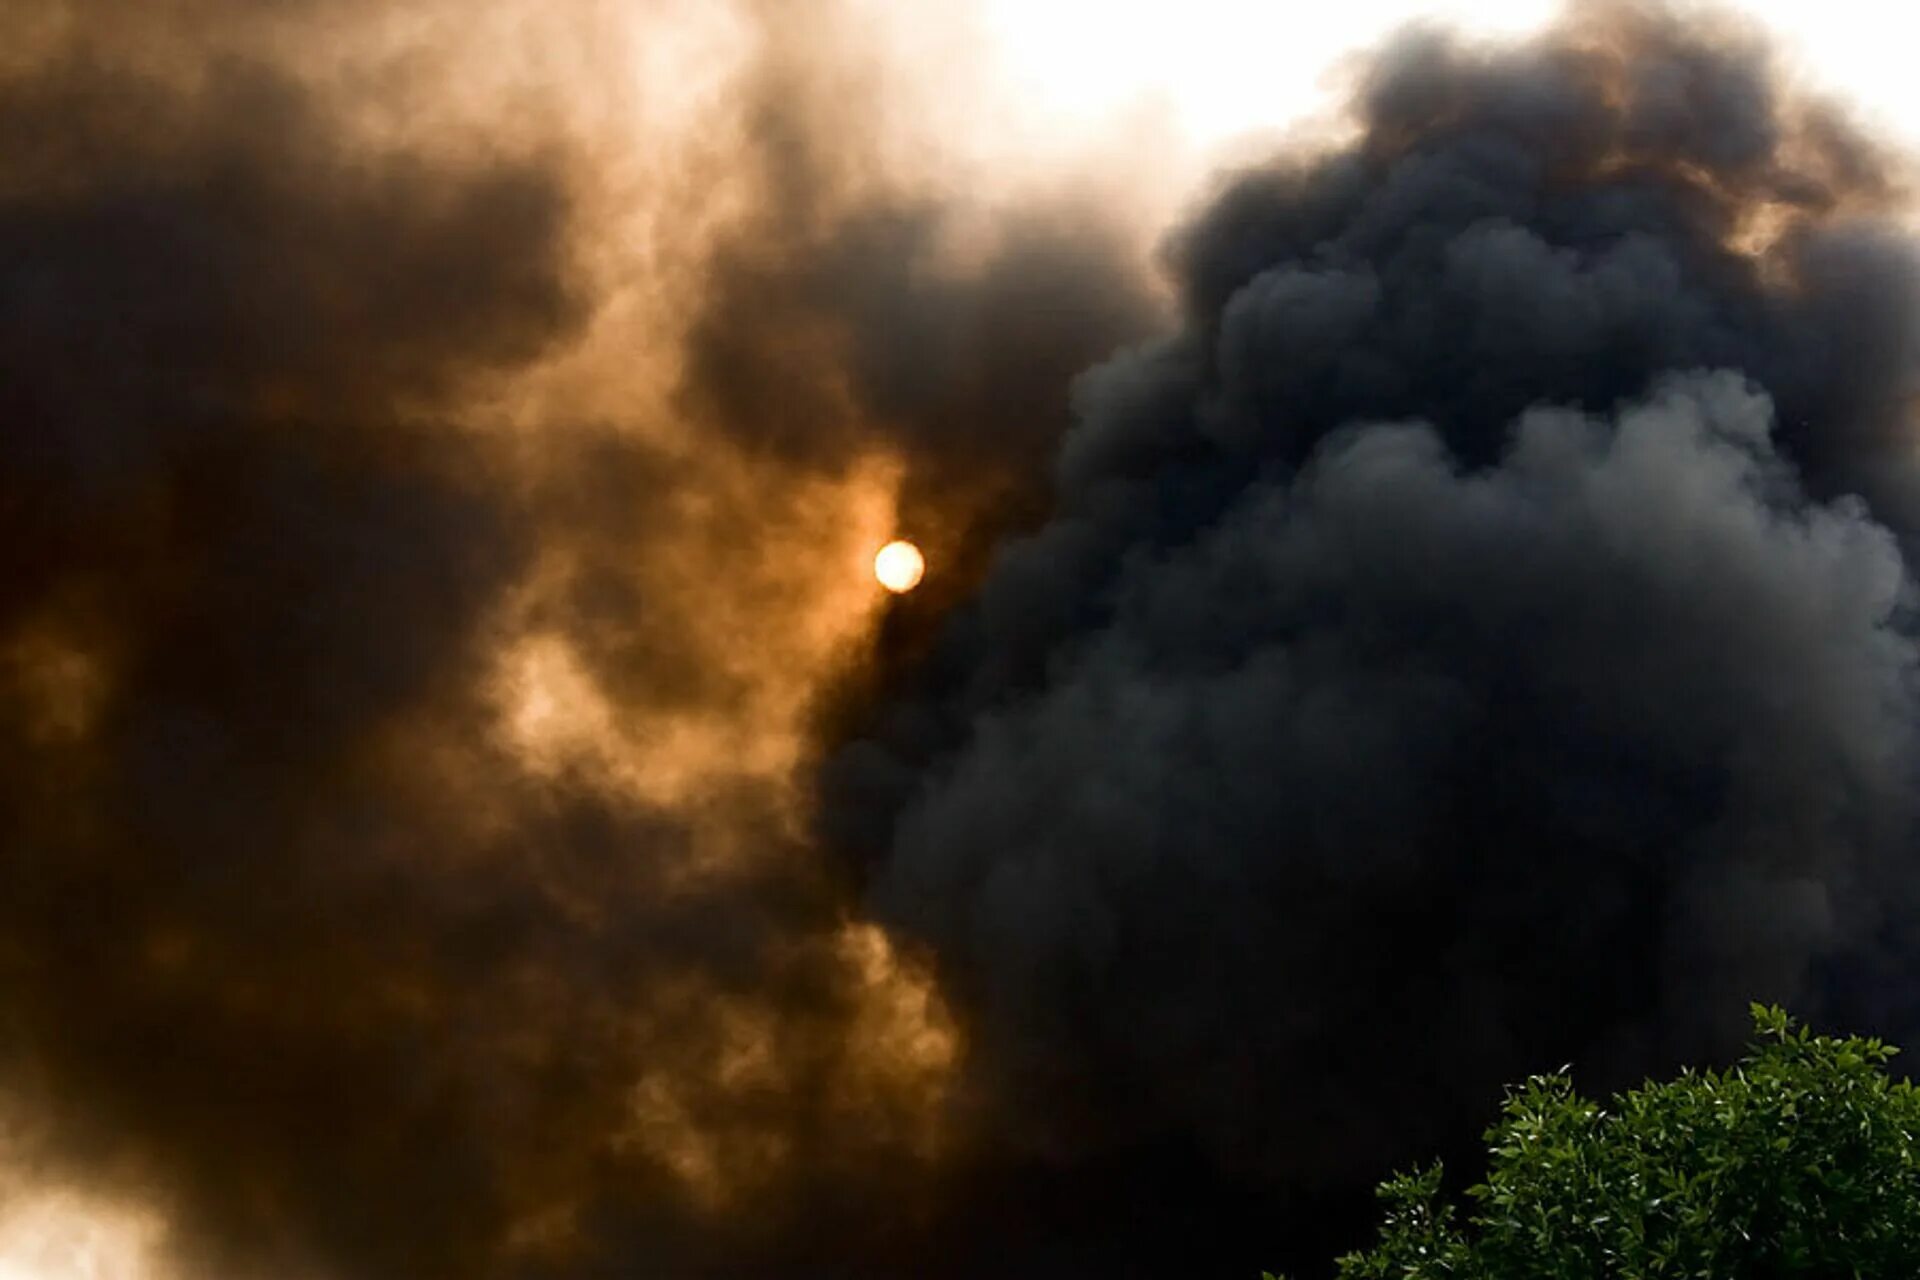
(1416, 591)
(1223, 68)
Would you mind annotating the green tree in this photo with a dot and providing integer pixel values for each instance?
(1800, 1161)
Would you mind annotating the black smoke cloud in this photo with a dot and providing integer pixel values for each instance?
(1480, 638)
(1476, 637)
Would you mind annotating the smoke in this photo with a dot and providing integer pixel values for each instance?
(1478, 638)
(466, 810)
(425, 552)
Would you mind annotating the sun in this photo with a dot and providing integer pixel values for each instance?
(899, 566)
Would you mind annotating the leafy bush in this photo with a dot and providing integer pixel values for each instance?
(1800, 1161)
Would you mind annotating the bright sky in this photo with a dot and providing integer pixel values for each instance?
(1225, 68)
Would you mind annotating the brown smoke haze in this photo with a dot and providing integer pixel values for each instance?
(443, 450)
(467, 811)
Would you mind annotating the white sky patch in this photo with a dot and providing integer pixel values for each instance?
(1223, 69)
(1219, 67)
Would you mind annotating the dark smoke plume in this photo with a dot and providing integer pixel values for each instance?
(1478, 639)
(1475, 635)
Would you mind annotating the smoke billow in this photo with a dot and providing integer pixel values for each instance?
(1479, 638)
(466, 811)
(404, 664)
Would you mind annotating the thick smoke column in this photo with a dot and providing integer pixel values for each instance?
(438, 468)
(1478, 639)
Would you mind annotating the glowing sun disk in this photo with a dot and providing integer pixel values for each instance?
(899, 566)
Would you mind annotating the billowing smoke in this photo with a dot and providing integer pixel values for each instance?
(466, 811)
(427, 526)
(1478, 639)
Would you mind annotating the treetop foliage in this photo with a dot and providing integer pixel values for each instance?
(1798, 1161)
